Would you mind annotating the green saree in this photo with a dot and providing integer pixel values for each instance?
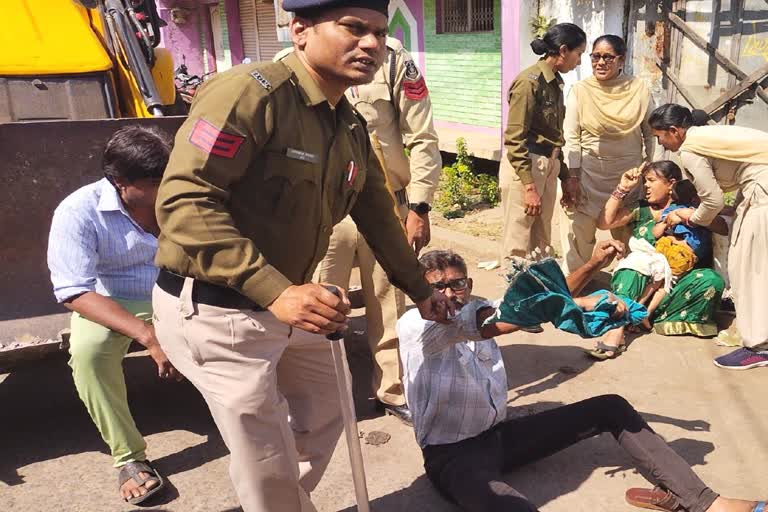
(690, 307)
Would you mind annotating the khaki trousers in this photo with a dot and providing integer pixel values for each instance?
(577, 238)
(384, 303)
(523, 233)
(271, 391)
(746, 265)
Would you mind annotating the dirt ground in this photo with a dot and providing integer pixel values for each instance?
(484, 223)
(51, 457)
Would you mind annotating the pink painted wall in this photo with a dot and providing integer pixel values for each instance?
(417, 9)
(232, 9)
(510, 51)
(183, 40)
(466, 127)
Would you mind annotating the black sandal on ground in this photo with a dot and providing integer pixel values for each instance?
(131, 470)
(603, 351)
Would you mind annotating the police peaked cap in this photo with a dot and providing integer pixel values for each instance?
(307, 5)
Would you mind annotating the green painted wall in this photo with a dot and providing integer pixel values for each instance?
(464, 72)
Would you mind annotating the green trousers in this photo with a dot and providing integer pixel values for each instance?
(97, 367)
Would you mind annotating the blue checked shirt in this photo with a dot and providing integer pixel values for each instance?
(94, 245)
(456, 388)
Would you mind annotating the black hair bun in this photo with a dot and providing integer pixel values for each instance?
(700, 117)
(539, 46)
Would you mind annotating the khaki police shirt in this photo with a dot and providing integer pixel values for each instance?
(399, 114)
(260, 172)
(536, 114)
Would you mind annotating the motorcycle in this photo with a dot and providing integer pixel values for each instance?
(186, 84)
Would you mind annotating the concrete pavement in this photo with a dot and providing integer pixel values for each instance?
(52, 457)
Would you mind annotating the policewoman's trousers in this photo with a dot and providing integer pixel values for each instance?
(522, 233)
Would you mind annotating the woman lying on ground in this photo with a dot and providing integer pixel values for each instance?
(667, 268)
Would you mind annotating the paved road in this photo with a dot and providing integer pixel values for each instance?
(51, 457)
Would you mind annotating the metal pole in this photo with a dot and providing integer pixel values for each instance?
(344, 382)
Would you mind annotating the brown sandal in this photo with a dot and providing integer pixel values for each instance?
(653, 499)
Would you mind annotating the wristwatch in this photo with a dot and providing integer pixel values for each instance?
(420, 208)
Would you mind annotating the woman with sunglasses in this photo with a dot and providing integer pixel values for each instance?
(533, 140)
(606, 134)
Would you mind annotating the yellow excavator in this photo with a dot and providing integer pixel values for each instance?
(71, 73)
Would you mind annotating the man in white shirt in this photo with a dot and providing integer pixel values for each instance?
(456, 389)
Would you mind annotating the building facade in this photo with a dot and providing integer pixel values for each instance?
(468, 50)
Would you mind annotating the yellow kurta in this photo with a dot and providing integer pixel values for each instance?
(602, 142)
(602, 157)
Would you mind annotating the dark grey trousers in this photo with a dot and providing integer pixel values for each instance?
(469, 473)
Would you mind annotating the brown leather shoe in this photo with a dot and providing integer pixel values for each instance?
(654, 499)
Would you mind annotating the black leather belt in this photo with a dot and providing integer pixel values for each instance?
(540, 149)
(206, 293)
(401, 196)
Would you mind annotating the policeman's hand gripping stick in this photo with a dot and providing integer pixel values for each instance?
(344, 382)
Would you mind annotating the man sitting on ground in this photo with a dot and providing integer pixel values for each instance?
(101, 253)
(456, 388)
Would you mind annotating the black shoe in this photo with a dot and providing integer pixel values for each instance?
(400, 412)
(533, 329)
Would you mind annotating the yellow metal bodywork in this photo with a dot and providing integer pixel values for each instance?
(162, 72)
(132, 105)
(49, 37)
(61, 37)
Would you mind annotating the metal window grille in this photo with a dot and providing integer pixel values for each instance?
(462, 16)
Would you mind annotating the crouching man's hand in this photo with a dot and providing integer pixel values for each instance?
(165, 370)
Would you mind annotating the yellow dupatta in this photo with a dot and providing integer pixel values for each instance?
(726, 142)
(612, 108)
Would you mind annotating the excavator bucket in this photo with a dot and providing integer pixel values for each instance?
(42, 163)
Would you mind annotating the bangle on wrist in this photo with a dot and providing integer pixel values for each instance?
(619, 193)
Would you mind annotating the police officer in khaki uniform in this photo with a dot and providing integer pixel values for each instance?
(271, 157)
(533, 141)
(398, 113)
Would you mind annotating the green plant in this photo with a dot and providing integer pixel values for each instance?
(460, 189)
(489, 189)
(540, 24)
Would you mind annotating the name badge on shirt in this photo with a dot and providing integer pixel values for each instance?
(304, 156)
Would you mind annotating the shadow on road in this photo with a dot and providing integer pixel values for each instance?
(45, 420)
(551, 477)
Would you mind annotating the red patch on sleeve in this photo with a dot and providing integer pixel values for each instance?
(416, 90)
(214, 141)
